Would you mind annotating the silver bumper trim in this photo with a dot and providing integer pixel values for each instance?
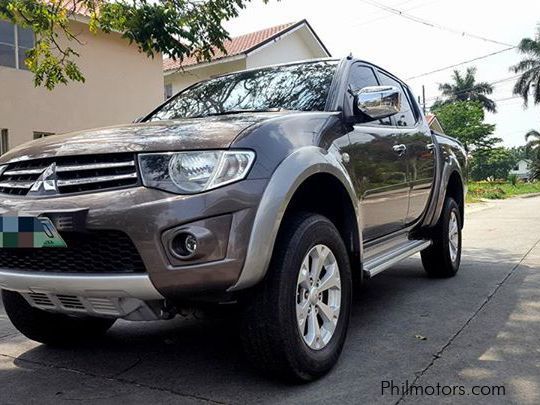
(87, 285)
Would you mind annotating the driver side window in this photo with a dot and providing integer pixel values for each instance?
(363, 76)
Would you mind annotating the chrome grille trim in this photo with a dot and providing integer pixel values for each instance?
(23, 171)
(14, 184)
(71, 174)
(96, 166)
(90, 180)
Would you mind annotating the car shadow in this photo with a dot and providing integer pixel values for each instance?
(392, 313)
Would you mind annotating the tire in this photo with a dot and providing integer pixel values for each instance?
(271, 336)
(51, 328)
(443, 257)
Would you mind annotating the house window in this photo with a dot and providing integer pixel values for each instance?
(14, 42)
(168, 91)
(4, 145)
(39, 135)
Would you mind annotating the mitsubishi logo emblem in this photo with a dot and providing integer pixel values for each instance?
(46, 182)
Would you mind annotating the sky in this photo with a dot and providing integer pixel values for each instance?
(408, 49)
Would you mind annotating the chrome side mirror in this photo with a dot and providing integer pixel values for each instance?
(378, 102)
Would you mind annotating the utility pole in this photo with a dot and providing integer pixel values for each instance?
(424, 99)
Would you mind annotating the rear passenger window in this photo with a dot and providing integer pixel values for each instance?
(405, 118)
(363, 76)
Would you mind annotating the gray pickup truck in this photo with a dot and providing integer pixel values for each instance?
(272, 188)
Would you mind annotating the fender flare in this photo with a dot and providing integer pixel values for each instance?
(286, 179)
(451, 165)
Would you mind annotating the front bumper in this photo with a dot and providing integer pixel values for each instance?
(92, 286)
(146, 215)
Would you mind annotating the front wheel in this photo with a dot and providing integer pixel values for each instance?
(442, 259)
(296, 322)
(51, 328)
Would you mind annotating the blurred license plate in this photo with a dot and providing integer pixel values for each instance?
(29, 232)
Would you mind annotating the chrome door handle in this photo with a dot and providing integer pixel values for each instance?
(399, 149)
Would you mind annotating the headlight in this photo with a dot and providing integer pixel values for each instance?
(194, 172)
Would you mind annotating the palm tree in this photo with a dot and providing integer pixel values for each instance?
(465, 88)
(535, 142)
(533, 148)
(529, 69)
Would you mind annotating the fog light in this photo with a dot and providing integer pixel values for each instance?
(184, 245)
(190, 243)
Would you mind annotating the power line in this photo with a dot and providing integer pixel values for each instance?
(430, 23)
(497, 100)
(506, 99)
(493, 83)
(366, 22)
(460, 63)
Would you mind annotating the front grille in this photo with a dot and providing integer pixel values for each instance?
(74, 174)
(89, 252)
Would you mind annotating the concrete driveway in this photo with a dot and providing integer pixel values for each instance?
(481, 328)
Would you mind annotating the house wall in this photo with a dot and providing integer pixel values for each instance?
(289, 48)
(182, 79)
(121, 85)
(297, 45)
(523, 169)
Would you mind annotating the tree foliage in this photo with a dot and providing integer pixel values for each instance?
(465, 88)
(464, 120)
(529, 68)
(533, 150)
(177, 28)
(492, 163)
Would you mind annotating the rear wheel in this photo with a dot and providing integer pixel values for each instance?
(51, 328)
(442, 259)
(296, 322)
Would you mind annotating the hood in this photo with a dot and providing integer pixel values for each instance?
(215, 132)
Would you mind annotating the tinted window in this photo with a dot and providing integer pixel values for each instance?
(13, 48)
(7, 44)
(25, 37)
(301, 87)
(363, 76)
(405, 118)
(7, 33)
(7, 55)
(25, 41)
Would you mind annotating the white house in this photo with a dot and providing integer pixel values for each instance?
(522, 169)
(279, 44)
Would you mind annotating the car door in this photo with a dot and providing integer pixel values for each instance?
(416, 136)
(378, 170)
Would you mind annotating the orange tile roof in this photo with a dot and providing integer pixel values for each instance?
(234, 46)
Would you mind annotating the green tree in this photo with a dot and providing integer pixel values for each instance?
(529, 68)
(465, 88)
(492, 162)
(464, 120)
(177, 28)
(533, 148)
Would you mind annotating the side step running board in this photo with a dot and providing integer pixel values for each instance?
(387, 259)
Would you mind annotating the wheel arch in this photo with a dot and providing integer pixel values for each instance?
(290, 185)
(455, 189)
(323, 193)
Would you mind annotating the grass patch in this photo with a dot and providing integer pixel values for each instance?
(493, 190)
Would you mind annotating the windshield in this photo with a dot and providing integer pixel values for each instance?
(301, 87)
